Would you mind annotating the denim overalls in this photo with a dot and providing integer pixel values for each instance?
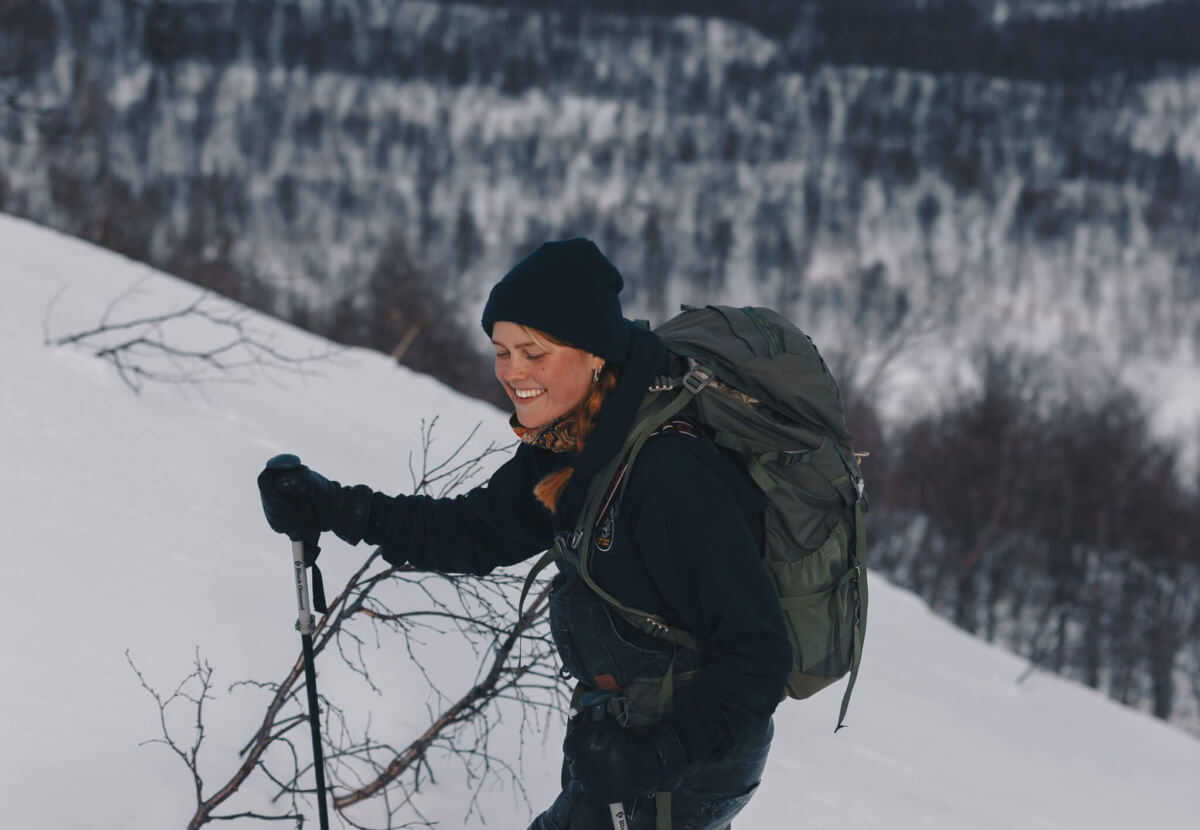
(601, 654)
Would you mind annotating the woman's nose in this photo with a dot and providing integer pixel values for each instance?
(514, 368)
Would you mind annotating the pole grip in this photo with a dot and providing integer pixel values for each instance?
(618, 816)
(305, 622)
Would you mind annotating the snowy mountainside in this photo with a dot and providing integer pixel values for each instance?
(133, 524)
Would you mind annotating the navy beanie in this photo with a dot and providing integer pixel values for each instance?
(568, 289)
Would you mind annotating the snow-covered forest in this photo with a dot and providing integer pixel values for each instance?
(987, 214)
(985, 168)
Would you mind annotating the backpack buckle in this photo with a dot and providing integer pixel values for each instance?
(567, 543)
(697, 378)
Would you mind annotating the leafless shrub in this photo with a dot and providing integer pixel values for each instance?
(516, 664)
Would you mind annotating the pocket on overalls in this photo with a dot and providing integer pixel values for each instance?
(564, 624)
(632, 663)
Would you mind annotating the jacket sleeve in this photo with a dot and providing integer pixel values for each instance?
(689, 520)
(499, 523)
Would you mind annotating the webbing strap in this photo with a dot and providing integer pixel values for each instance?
(541, 565)
(757, 455)
(860, 623)
(666, 693)
(318, 590)
(666, 689)
(662, 811)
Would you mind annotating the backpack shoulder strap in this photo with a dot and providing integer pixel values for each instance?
(575, 547)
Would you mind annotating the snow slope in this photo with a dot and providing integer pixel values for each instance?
(132, 523)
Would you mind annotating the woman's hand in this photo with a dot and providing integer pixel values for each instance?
(616, 764)
(297, 501)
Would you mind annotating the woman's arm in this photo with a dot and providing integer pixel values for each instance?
(496, 524)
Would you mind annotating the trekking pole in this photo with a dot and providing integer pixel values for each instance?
(306, 624)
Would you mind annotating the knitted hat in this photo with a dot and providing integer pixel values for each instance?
(568, 289)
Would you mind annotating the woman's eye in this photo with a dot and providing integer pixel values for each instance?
(535, 356)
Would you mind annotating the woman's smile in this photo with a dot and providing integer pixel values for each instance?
(525, 395)
(544, 380)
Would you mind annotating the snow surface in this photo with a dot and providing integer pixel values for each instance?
(132, 523)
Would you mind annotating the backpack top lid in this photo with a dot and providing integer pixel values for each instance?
(761, 353)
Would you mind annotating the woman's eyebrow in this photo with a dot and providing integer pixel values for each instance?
(516, 346)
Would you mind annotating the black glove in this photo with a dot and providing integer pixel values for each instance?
(616, 764)
(302, 503)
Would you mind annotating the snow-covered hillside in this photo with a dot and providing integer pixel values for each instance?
(132, 523)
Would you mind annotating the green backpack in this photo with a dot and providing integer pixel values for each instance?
(757, 386)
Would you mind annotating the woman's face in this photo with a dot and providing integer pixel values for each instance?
(544, 380)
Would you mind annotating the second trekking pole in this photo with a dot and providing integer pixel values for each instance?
(306, 623)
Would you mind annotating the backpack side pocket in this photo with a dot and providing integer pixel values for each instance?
(816, 595)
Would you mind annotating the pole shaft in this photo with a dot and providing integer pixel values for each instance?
(314, 721)
(306, 624)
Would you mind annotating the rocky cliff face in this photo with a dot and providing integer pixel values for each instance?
(301, 154)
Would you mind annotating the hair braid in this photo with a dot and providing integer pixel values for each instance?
(550, 489)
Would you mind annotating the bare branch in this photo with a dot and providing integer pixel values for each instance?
(416, 750)
(296, 817)
(146, 348)
(202, 675)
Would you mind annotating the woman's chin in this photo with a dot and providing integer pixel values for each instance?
(525, 418)
(533, 415)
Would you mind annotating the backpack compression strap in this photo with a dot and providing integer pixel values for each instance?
(860, 611)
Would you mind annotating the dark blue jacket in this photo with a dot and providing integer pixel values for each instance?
(682, 547)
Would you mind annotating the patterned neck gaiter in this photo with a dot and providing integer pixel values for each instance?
(557, 436)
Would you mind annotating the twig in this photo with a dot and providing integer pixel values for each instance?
(137, 357)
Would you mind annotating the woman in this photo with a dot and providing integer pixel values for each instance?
(680, 544)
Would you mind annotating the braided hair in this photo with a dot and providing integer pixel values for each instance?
(585, 414)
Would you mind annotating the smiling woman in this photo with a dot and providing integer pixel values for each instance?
(678, 542)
